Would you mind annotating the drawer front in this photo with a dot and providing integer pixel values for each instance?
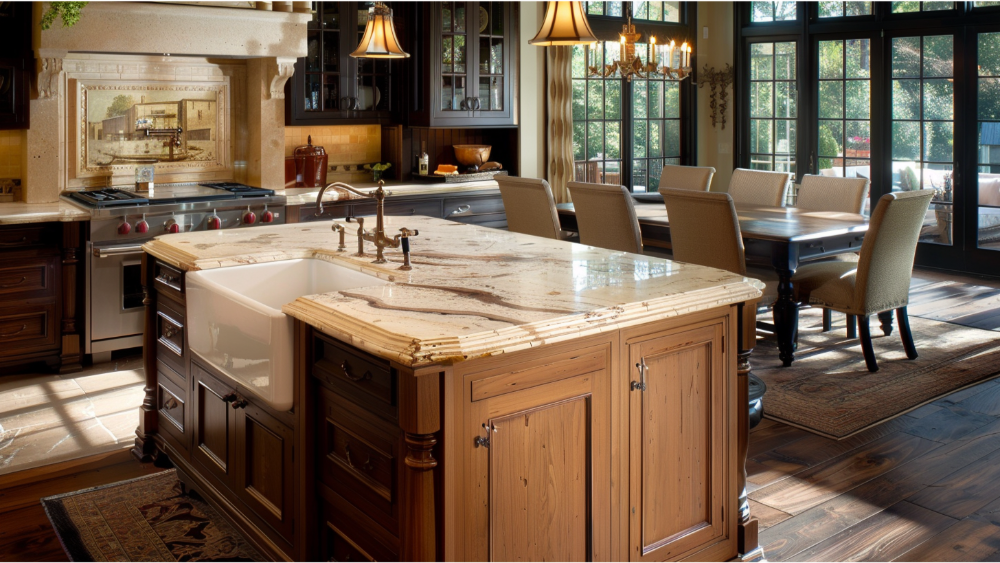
(172, 409)
(430, 208)
(28, 328)
(337, 546)
(359, 457)
(332, 210)
(169, 280)
(28, 279)
(463, 206)
(20, 237)
(170, 335)
(347, 532)
(364, 378)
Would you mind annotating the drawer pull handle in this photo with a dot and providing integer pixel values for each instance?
(169, 331)
(347, 373)
(167, 278)
(170, 404)
(462, 210)
(240, 404)
(367, 465)
(18, 331)
(23, 279)
(15, 243)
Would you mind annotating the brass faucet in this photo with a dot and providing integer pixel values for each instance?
(378, 236)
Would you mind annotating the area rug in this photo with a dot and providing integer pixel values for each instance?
(829, 391)
(144, 519)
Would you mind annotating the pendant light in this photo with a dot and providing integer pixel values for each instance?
(565, 24)
(379, 41)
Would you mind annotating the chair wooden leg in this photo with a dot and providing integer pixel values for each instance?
(866, 343)
(885, 318)
(852, 326)
(905, 334)
(827, 320)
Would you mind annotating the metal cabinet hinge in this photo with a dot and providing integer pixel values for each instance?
(484, 441)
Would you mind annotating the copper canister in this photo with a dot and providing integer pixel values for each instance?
(310, 165)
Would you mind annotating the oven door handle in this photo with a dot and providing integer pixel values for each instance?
(117, 251)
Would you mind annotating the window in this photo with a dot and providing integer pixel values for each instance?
(834, 9)
(773, 106)
(918, 6)
(988, 118)
(773, 11)
(604, 8)
(656, 11)
(844, 91)
(614, 144)
(986, 4)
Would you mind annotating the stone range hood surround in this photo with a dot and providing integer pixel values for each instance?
(268, 41)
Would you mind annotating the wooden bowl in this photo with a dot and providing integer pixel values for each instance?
(472, 156)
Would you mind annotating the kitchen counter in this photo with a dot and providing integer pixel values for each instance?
(306, 196)
(15, 213)
(473, 292)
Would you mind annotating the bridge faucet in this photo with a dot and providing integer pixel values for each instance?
(378, 236)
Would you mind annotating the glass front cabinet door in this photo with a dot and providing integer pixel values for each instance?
(328, 85)
(470, 67)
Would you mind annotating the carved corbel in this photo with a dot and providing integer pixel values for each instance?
(49, 74)
(280, 71)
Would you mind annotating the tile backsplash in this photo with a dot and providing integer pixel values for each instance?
(11, 145)
(348, 148)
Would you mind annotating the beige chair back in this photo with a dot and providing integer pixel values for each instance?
(704, 229)
(530, 207)
(886, 262)
(759, 187)
(825, 193)
(606, 217)
(698, 178)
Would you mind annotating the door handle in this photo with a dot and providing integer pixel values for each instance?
(478, 104)
(641, 384)
(117, 251)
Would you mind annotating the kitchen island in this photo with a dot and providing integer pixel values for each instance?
(510, 397)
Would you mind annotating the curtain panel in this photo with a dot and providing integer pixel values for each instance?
(559, 129)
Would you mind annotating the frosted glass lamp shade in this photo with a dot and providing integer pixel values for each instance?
(565, 24)
(379, 40)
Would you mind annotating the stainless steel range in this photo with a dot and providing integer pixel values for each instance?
(123, 220)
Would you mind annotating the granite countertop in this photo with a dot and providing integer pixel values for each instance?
(307, 196)
(473, 291)
(15, 213)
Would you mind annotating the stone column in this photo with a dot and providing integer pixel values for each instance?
(266, 79)
(44, 155)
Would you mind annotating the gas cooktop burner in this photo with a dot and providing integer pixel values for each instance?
(233, 187)
(109, 197)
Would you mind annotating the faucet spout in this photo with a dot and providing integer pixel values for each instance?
(319, 196)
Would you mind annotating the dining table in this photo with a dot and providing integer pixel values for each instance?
(781, 237)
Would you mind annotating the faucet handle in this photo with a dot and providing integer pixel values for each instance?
(338, 228)
(404, 236)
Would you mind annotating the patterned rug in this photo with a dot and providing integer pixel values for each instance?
(144, 519)
(829, 391)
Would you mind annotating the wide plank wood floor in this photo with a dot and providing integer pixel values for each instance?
(922, 487)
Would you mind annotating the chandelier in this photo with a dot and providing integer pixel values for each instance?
(629, 64)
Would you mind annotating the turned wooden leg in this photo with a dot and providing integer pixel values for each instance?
(904, 332)
(866, 343)
(852, 326)
(144, 448)
(747, 542)
(885, 318)
(71, 355)
(420, 420)
(827, 320)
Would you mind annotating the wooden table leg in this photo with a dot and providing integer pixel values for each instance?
(747, 543)
(144, 449)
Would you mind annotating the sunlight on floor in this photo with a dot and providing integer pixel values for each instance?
(47, 418)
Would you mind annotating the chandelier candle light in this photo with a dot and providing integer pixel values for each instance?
(629, 64)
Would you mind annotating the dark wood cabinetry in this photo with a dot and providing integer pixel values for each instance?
(39, 293)
(475, 207)
(464, 71)
(331, 87)
(16, 64)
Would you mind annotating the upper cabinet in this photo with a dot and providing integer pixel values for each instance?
(464, 72)
(16, 64)
(329, 86)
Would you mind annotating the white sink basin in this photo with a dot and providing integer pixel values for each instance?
(235, 321)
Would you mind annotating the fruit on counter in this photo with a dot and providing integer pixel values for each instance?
(445, 169)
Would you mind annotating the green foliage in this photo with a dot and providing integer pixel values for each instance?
(828, 146)
(120, 105)
(68, 12)
(908, 180)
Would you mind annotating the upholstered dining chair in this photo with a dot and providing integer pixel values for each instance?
(605, 216)
(530, 206)
(698, 178)
(880, 280)
(704, 230)
(759, 187)
(828, 193)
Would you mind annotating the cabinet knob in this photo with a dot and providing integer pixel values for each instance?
(249, 218)
(124, 228)
(170, 404)
(240, 404)
(266, 216)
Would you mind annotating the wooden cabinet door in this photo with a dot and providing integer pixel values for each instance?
(265, 476)
(679, 444)
(539, 490)
(214, 426)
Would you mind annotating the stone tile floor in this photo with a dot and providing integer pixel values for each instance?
(47, 418)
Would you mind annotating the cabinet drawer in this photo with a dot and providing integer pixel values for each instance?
(27, 329)
(171, 407)
(366, 379)
(29, 235)
(170, 335)
(28, 279)
(347, 531)
(169, 280)
(468, 206)
(359, 457)
(431, 208)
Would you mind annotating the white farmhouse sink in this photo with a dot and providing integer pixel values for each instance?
(235, 321)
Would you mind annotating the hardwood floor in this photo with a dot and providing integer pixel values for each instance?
(922, 487)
